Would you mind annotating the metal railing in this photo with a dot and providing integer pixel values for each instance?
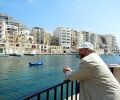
(58, 92)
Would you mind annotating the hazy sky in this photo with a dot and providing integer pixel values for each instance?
(98, 16)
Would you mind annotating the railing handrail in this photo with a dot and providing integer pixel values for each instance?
(46, 89)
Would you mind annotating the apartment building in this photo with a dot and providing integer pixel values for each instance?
(86, 36)
(54, 41)
(94, 39)
(76, 39)
(39, 35)
(2, 28)
(11, 35)
(64, 36)
(56, 49)
(2, 36)
(6, 18)
(111, 42)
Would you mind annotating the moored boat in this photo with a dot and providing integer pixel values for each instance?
(29, 54)
(14, 54)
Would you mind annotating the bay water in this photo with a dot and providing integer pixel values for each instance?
(18, 79)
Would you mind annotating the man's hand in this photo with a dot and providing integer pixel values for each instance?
(66, 68)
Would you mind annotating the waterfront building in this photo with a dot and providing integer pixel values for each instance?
(31, 48)
(94, 39)
(2, 36)
(99, 51)
(19, 48)
(108, 43)
(111, 42)
(10, 21)
(34, 48)
(64, 36)
(86, 36)
(117, 50)
(29, 39)
(54, 40)
(79, 38)
(44, 48)
(28, 47)
(47, 38)
(22, 29)
(39, 35)
(74, 35)
(6, 18)
(2, 29)
(10, 37)
(22, 40)
(10, 30)
(103, 43)
(2, 48)
(56, 49)
(76, 39)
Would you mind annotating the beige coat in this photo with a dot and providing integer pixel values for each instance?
(96, 80)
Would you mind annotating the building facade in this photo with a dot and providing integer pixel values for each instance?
(64, 36)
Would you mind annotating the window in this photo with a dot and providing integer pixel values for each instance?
(17, 45)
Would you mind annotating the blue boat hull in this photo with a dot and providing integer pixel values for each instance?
(36, 63)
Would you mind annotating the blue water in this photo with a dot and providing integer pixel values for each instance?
(18, 79)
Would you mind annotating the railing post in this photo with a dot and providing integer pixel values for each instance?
(62, 92)
(67, 87)
(71, 90)
(75, 90)
(47, 95)
(55, 93)
(38, 97)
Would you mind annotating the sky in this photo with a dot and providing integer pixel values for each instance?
(97, 16)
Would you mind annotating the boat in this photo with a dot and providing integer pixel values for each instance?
(14, 54)
(36, 63)
(29, 54)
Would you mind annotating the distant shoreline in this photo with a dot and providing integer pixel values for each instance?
(5, 55)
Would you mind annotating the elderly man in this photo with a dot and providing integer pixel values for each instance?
(96, 80)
